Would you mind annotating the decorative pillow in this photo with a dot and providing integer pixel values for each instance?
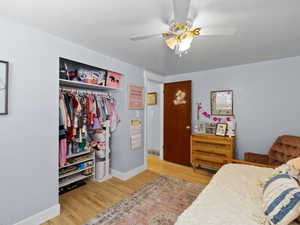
(281, 200)
(292, 168)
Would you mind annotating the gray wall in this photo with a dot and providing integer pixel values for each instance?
(123, 158)
(153, 114)
(29, 134)
(266, 99)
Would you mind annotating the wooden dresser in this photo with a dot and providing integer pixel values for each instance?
(211, 150)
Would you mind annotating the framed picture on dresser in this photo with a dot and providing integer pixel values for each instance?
(221, 129)
(3, 87)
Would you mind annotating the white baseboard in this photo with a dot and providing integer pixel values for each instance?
(161, 156)
(41, 217)
(129, 174)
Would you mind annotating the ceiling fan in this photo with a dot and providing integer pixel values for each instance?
(181, 32)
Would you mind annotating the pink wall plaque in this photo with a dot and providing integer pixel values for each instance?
(135, 97)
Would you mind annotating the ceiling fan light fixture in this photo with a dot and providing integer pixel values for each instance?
(171, 42)
(185, 44)
(180, 37)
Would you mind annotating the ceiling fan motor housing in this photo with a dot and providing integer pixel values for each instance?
(180, 28)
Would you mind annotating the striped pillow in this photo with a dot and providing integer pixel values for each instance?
(281, 200)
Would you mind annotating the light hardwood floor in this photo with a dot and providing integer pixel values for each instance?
(84, 203)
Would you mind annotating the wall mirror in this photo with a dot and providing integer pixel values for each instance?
(222, 103)
(3, 88)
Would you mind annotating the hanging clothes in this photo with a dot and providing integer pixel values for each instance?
(62, 133)
(114, 118)
(78, 113)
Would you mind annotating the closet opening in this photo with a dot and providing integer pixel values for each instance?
(87, 116)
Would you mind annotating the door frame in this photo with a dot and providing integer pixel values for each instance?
(148, 76)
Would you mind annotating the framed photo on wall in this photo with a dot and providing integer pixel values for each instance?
(221, 129)
(152, 98)
(3, 88)
(221, 103)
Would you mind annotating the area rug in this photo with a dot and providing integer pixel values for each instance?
(159, 202)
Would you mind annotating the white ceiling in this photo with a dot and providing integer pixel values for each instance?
(266, 29)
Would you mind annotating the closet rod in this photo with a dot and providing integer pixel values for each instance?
(79, 90)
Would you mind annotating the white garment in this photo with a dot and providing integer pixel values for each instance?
(63, 110)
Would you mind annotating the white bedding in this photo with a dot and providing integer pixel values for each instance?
(233, 197)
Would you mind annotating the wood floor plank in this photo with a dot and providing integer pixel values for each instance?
(86, 202)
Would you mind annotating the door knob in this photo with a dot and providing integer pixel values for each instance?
(188, 127)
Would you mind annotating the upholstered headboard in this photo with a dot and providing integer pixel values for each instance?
(286, 147)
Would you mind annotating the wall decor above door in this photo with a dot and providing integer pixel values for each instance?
(3, 87)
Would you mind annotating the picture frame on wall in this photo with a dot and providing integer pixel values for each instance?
(3, 87)
(221, 103)
(135, 97)
(152, 98)
(221, 129)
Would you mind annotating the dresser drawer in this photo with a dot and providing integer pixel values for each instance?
(208, 164)
(212, 139)
(205, 156)
(212, 148)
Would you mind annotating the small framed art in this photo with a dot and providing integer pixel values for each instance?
(152, 98)
(221, 129)
(221, 103)
(3, 88)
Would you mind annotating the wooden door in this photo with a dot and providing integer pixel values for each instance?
(177, 121)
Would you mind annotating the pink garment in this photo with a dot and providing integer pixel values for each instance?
(110, 107)
(62, 152)
(114, 118)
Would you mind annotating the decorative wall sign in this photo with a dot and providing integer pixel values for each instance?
(136, 134)
(3, 88)
(180, 98)
(135, 97)
(202, 112)
(152, 98)
(222, 103)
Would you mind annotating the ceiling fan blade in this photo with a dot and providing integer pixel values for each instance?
(143, 37)
(193, 14)
(181, 10)
(217, 31)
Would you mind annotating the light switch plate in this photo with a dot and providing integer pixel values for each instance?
(137, 114)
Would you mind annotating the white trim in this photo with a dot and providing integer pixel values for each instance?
(148, 76)
(41, 217)
(154, 77)
(129, 174)
(145, 120)
(162, 97)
